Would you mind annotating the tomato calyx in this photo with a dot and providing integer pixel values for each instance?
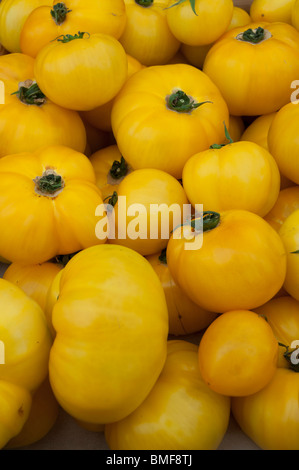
(162, 256)
(192, 4)
(59, 13)
(254, 36)
(50, 184)
(69, 37)
(182, 103)
(144, 3)
(203, 222)
(119, 169)
(292, 356)
(112, 200)
(30, 93)
(228, 137)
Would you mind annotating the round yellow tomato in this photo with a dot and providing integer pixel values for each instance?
(238, 353)
(239, 175)
(240, 18)
(82, 71)
(237, 261)
(272, 10)
(164, 114)
(276, 407)
(16, 66)
(110, 168)
(179, 413)
(289, 234)
(150, 204)
(254, 66)
(56, 213)
(47, 22)
(111, 326)
(201, 23)
(287, 202)
(185, 317)
(146, 35)
(257, 131)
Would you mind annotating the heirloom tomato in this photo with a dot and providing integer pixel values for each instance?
(238, 175)
(185, 317)
(270, 417)
(235, 261)
(253, 67)
(200, 24)
(46, 23)
(111, 325)
(13, 14)
(179, 413)
(164, 114)
(82, 71)
(272, 10)
(289, 234)
(110, 168)
(146, 35)
(238, 353)
(287, 202)
(240, 18)
(55, 214)
(150, 203)
(16, 66)
(257, 130)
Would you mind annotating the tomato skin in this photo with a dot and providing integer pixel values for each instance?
(252, 89)
(180, 412)
(140, 117)
(242, 243)
(240, 175)
(16, 66)
(211, 20)
(289, 232)
(73, 75)
(287, 202)
(257, 131)
(238, 353)
(272, 10)
(40, 28)
(111, 326)
(276, 406)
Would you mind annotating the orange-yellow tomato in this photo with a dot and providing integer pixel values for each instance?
(257, 131)
(289, 234)
(287, 202)
(238, 353)
(240, 18)
(180, 412)
(272, 10)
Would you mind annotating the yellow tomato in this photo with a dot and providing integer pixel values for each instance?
(240, 18)
(200, 25)
(13, 14)
(238, 353)
(295, 15)
(257, 131)
(43, 415)
(195, 54)
(276, 407)
(47, 22)
(56, 211)
(150, 204)
(254, 66)
(16, 66)
(239, 175)
(287, 202)
(111, 326)
(146, 35)
(35, 280)
(110, 168)
(179, 413)
(272, 10)
(236, 128)
(289, 234)
(185, 317)
(81, 72)
(164, 114)
(238, 262)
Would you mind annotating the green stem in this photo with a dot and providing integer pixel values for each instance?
(112, 200)
(119, 169)
(49, 184)
(162, 256)
(144, 3)
(292, 357)
(253, 35)
(228, 137)
(29, 93)
(182, 103)
(192, 4)
(59, 13)
(68, 37)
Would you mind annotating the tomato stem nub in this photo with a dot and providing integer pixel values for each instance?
(59, 13)
(112, 200)
(253, 35)
(182, 103)
(119, 169)
(292, 356)
(162, 257)
(68, 37)
(49, 184)
(30, 93)
(144, 3)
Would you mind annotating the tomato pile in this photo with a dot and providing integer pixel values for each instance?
(148, 193)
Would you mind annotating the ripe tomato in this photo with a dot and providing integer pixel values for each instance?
(180, 412)
(287, 202)
(238, 353)
(164, 114)
(257, 131)
(272, 10)
(237, 249)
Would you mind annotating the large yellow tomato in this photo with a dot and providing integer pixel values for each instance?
(254, 67)
(47, 22)
(146, 35)
(237, 263)
(270, 417)
(180, 412)
(201, 23)
(272, 10)
(13, 14)
(82, 71)
(164, 114)
(239, 175)
(289, 234)
(111, 326)
(150, 204)
(52, 198)
(238, 353)
(287, 202)
(185, 317)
